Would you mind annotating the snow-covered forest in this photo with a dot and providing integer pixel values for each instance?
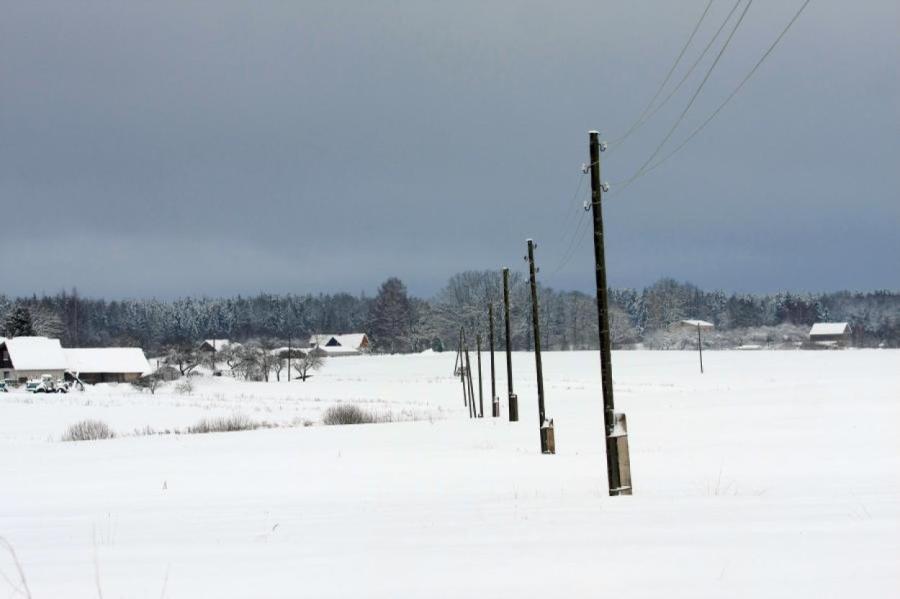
(397, 321)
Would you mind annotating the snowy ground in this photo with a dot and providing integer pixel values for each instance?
(775, 474)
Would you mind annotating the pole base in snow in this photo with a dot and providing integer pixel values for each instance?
(548, 438)
(619, 440)
(495, 408)
(513, 407)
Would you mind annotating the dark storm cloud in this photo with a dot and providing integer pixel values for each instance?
(219, 147)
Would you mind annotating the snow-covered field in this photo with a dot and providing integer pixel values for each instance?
(775, 474)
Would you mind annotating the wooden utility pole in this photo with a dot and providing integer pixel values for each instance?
(290, 355)
(472, 412)
(545, 428)
(700, 347)
(618, 467)
(480, 386)
(495, 401)
(513, 399)
(462, 368)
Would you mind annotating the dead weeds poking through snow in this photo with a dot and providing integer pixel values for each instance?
(88, 430)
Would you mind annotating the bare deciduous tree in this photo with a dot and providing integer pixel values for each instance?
(308, 363)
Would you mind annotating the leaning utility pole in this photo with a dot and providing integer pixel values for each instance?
(495, 401)
(462, 368)
(545, 428)
(618, 467)
(513, 398)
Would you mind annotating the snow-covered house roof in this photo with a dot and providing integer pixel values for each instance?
(347, 340)
(698, 323)
(106, 360)
(829, 328)
(35, 353)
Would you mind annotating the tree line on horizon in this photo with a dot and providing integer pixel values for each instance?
(399, 322)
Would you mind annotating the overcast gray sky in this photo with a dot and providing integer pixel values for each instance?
(173, 148)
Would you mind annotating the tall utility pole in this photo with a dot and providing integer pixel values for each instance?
(495, 401)
(290, 356)
(472, 411)
(480, 386)
(513, 399)
(700, 347)
(462, 368)
(544, 428)
(618, 467)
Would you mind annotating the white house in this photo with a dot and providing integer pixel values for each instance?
(24, 358)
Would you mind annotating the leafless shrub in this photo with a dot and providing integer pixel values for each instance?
(151, 383)
(185, 386)
(353, 414)
(236, 422)
(88, 430)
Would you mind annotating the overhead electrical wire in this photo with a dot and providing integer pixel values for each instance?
(578, 235)
(641, 120)
(573, 205)
(690, 70)
(641, 171)
(734, 92)
(574, 242)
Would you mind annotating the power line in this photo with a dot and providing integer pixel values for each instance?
(641, 171)
(574, 242)
(693, 66)
(734, 92)
(573, 204)
(641, 120)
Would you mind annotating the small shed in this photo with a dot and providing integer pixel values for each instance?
(830, 334)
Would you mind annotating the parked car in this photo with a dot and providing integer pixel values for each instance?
(47, 384)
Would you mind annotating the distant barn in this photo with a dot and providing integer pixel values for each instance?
(830, 334)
